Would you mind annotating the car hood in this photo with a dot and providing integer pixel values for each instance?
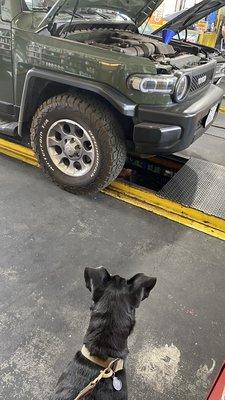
(183, 20)
(137, 10)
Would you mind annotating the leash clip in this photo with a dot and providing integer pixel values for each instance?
(107, 373)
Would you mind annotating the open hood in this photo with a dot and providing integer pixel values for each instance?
(137, 10)
(189, 17)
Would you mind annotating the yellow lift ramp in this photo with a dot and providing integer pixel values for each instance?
(194, 196)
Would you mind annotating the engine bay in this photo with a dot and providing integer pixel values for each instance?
(125, 38)
(168, 56)
(125, 42)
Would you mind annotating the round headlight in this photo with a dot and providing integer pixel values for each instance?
(182, 88)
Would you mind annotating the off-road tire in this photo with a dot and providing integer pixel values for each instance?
(103, 125)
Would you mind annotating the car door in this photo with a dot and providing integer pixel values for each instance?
(6, 68)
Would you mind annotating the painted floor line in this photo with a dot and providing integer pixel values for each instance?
(222, 109)
(19, 152)
(176, 212)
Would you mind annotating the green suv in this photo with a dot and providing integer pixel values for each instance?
(88, 88)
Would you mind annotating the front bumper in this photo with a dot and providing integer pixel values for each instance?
(167, 130)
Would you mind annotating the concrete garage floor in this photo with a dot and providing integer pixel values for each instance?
(48, 236)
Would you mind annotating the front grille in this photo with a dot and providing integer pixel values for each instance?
(198, 82)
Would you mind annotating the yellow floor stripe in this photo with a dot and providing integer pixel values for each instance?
(17, 151)
(222, 109)
(149, 201)
(138, 197)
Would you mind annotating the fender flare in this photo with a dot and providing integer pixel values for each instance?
(118, 100)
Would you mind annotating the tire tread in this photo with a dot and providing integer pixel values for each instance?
(103, 119)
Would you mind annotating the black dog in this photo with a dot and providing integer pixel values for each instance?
(112, 321)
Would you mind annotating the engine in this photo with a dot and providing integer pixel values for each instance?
(125, 42)
(137, 45)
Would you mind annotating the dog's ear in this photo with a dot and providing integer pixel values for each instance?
(96, 279)
(140, 286)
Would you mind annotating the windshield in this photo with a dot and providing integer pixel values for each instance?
(39, 4)
(68, 8)
(136, 10)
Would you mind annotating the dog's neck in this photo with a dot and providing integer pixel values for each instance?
(118, 363)
(107, 337)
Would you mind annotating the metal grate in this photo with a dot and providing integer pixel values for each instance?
(201, 80)
(199, 184)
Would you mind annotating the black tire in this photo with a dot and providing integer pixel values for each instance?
(106, 133)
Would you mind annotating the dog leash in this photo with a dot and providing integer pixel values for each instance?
(114, 366)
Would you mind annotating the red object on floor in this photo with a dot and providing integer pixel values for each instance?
(218, 389)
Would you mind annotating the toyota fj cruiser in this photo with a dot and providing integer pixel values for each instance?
(89, 88)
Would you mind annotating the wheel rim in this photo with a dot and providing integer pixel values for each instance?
(70, 147)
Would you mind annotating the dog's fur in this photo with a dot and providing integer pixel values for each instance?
(112, 321)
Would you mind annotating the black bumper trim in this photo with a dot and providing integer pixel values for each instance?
(156, 129)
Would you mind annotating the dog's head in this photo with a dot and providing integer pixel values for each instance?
(117, 297)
